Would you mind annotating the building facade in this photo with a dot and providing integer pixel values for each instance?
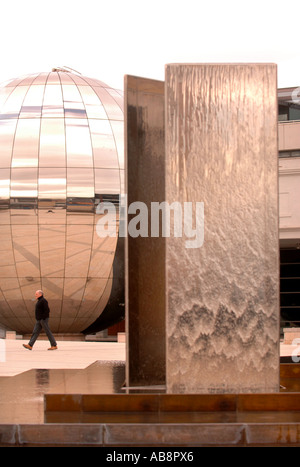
(289, 204)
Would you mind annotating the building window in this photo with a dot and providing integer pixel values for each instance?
(289, 153)
(289, 104)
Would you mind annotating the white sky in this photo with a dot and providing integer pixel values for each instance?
(106, 39)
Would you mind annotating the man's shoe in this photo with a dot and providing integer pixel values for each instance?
(27, 346)
(53, 347)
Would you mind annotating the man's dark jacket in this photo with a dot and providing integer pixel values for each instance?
(41, 309)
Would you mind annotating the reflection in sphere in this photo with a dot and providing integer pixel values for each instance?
(61, 154)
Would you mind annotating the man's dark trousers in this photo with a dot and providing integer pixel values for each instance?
(39, 325)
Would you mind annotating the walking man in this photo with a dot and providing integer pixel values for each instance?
(42, 316)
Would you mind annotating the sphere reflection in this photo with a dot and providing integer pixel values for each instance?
(61, 154)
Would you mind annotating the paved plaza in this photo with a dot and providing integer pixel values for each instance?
(14, 359)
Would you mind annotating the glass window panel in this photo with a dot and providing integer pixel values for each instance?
(11, 292)
(78, 80)
(52, 183)
(113, 111)
(51, 211)
(4, 196)
(4, 215)
(52, 143)
(53, 102)
(52, 196)
(7, 132)
(94, 290)
(95, 82)
(73, 291)
(93, 105)
(53, 78)
(32, 104)
(6, 251)
(80, 183)
(23, 196)
(13, 104)
(41, 78)
(102, 256)
(72, 296)
(117, 95)
(78, 143)
(104, 147)
(73, 102)
(24, 183)
(27, 81)
(65, 78)
(103, 126)
(4, 184)
(107, 181)
(26, 145)
(118, 131)
(80, 196)
(26, 250)
(294, 113)
(52, 241)
(78, 250)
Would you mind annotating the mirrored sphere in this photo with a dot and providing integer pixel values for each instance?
(61, 154)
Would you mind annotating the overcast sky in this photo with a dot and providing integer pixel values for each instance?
(107, 39)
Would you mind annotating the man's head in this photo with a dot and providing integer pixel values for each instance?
(38, 293)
